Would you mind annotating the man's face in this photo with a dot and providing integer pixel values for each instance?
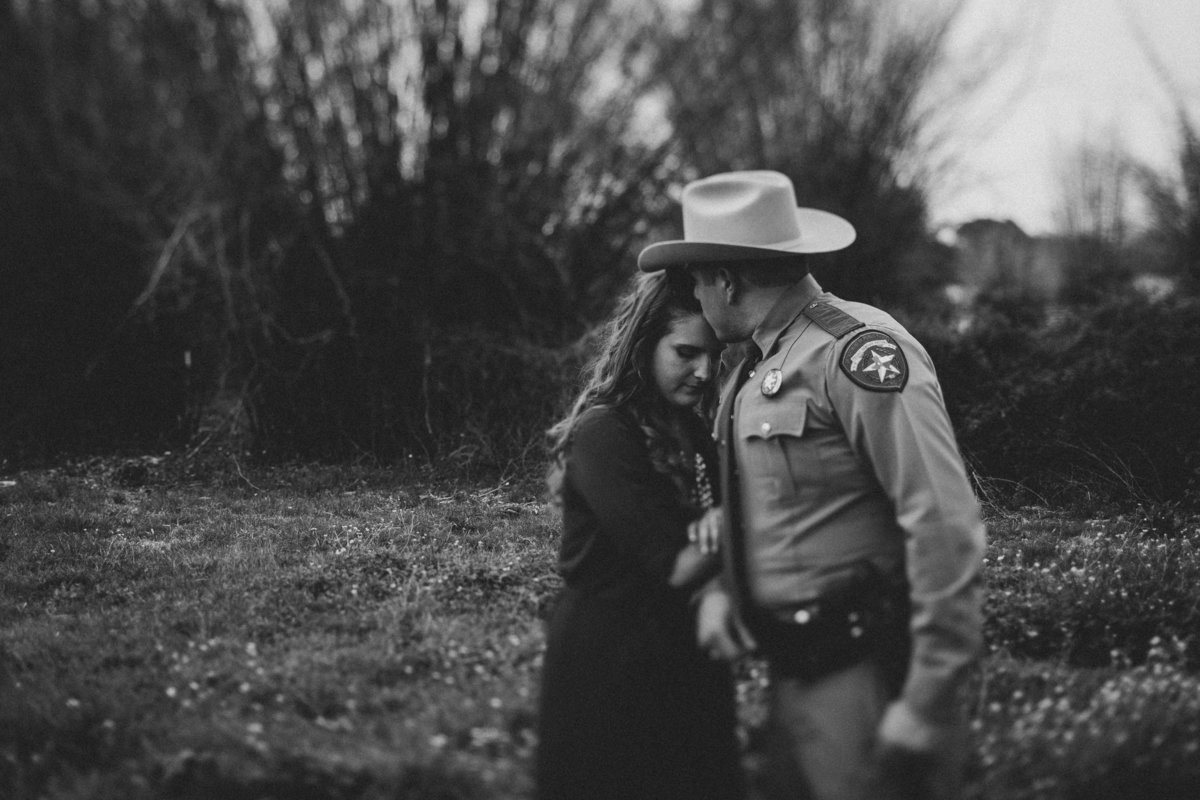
(711, 287)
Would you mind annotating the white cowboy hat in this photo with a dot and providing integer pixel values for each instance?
(741, 215)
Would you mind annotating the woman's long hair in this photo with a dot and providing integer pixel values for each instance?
(622, 374)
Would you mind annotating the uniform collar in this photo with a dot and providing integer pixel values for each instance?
(787, 308)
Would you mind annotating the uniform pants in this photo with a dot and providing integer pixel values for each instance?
(820, 742)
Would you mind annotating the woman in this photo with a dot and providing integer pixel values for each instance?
(630, 708)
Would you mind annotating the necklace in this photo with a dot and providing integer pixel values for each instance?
(702, 491)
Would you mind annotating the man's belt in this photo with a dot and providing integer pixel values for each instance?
(865, 615)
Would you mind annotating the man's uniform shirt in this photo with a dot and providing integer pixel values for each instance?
(845, 452)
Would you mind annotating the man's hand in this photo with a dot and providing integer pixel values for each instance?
(719, 632)
(908, 750)
(705, 532)
(902, 728)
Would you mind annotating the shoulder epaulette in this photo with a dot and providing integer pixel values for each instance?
(834, 321)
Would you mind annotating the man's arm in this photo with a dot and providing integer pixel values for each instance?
(905, 436)
(719, 632)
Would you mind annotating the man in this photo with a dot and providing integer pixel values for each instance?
(852, 538)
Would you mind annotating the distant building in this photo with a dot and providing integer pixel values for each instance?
(991, 255)
(987, 255)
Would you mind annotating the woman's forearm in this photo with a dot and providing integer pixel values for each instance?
(692, 567)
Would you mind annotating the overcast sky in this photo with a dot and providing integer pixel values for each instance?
(1077, 70)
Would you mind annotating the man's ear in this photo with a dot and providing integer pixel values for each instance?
(727, 281)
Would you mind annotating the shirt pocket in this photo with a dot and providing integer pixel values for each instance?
(782, 461)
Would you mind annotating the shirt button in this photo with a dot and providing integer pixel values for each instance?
(766, 427)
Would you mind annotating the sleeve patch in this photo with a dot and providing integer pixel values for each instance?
(874, 361)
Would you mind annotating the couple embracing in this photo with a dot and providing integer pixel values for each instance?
(809, 506)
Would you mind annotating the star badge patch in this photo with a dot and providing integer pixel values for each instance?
(874, 361)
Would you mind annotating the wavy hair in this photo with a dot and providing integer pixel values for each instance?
(621, 375)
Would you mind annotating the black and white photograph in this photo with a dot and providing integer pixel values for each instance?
(599, 400)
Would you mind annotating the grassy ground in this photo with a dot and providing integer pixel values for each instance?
(323, 633)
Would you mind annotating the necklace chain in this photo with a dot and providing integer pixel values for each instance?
(702, 491)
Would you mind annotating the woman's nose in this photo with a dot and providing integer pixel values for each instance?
(704, 367)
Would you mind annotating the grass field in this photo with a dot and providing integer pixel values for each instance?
(342, 633)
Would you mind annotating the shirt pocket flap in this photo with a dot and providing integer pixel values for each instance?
(771, 420)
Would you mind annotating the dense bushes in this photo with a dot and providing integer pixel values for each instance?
(1080, 404)
(1087, 406)
(468, 402)
(1090, 405)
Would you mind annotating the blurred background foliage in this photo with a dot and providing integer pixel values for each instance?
(363, 228)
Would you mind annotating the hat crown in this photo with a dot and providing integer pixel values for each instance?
(756, 208)
(753, 215)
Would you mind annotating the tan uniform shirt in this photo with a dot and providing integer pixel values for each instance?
(837, 465)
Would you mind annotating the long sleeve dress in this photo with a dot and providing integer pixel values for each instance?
(629, 706)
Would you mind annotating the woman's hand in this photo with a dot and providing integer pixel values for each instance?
(705, 532)
(698, 560)
(693, 567)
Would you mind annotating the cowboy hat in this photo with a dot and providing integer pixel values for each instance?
(746, 215)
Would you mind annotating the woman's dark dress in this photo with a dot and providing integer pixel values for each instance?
(630, 708)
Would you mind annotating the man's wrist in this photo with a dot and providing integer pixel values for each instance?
(903, 727)
(710, 586)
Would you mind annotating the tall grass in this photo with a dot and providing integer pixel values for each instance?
(325, 633)
(328, 643)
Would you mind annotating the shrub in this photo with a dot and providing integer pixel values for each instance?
(1083, 404)
(490, 402)
(471, 401)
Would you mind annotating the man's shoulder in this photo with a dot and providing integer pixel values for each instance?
(863, 313)
(829, 314)
(847, 317)
(879, 353)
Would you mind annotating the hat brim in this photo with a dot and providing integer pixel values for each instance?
(824, 233)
